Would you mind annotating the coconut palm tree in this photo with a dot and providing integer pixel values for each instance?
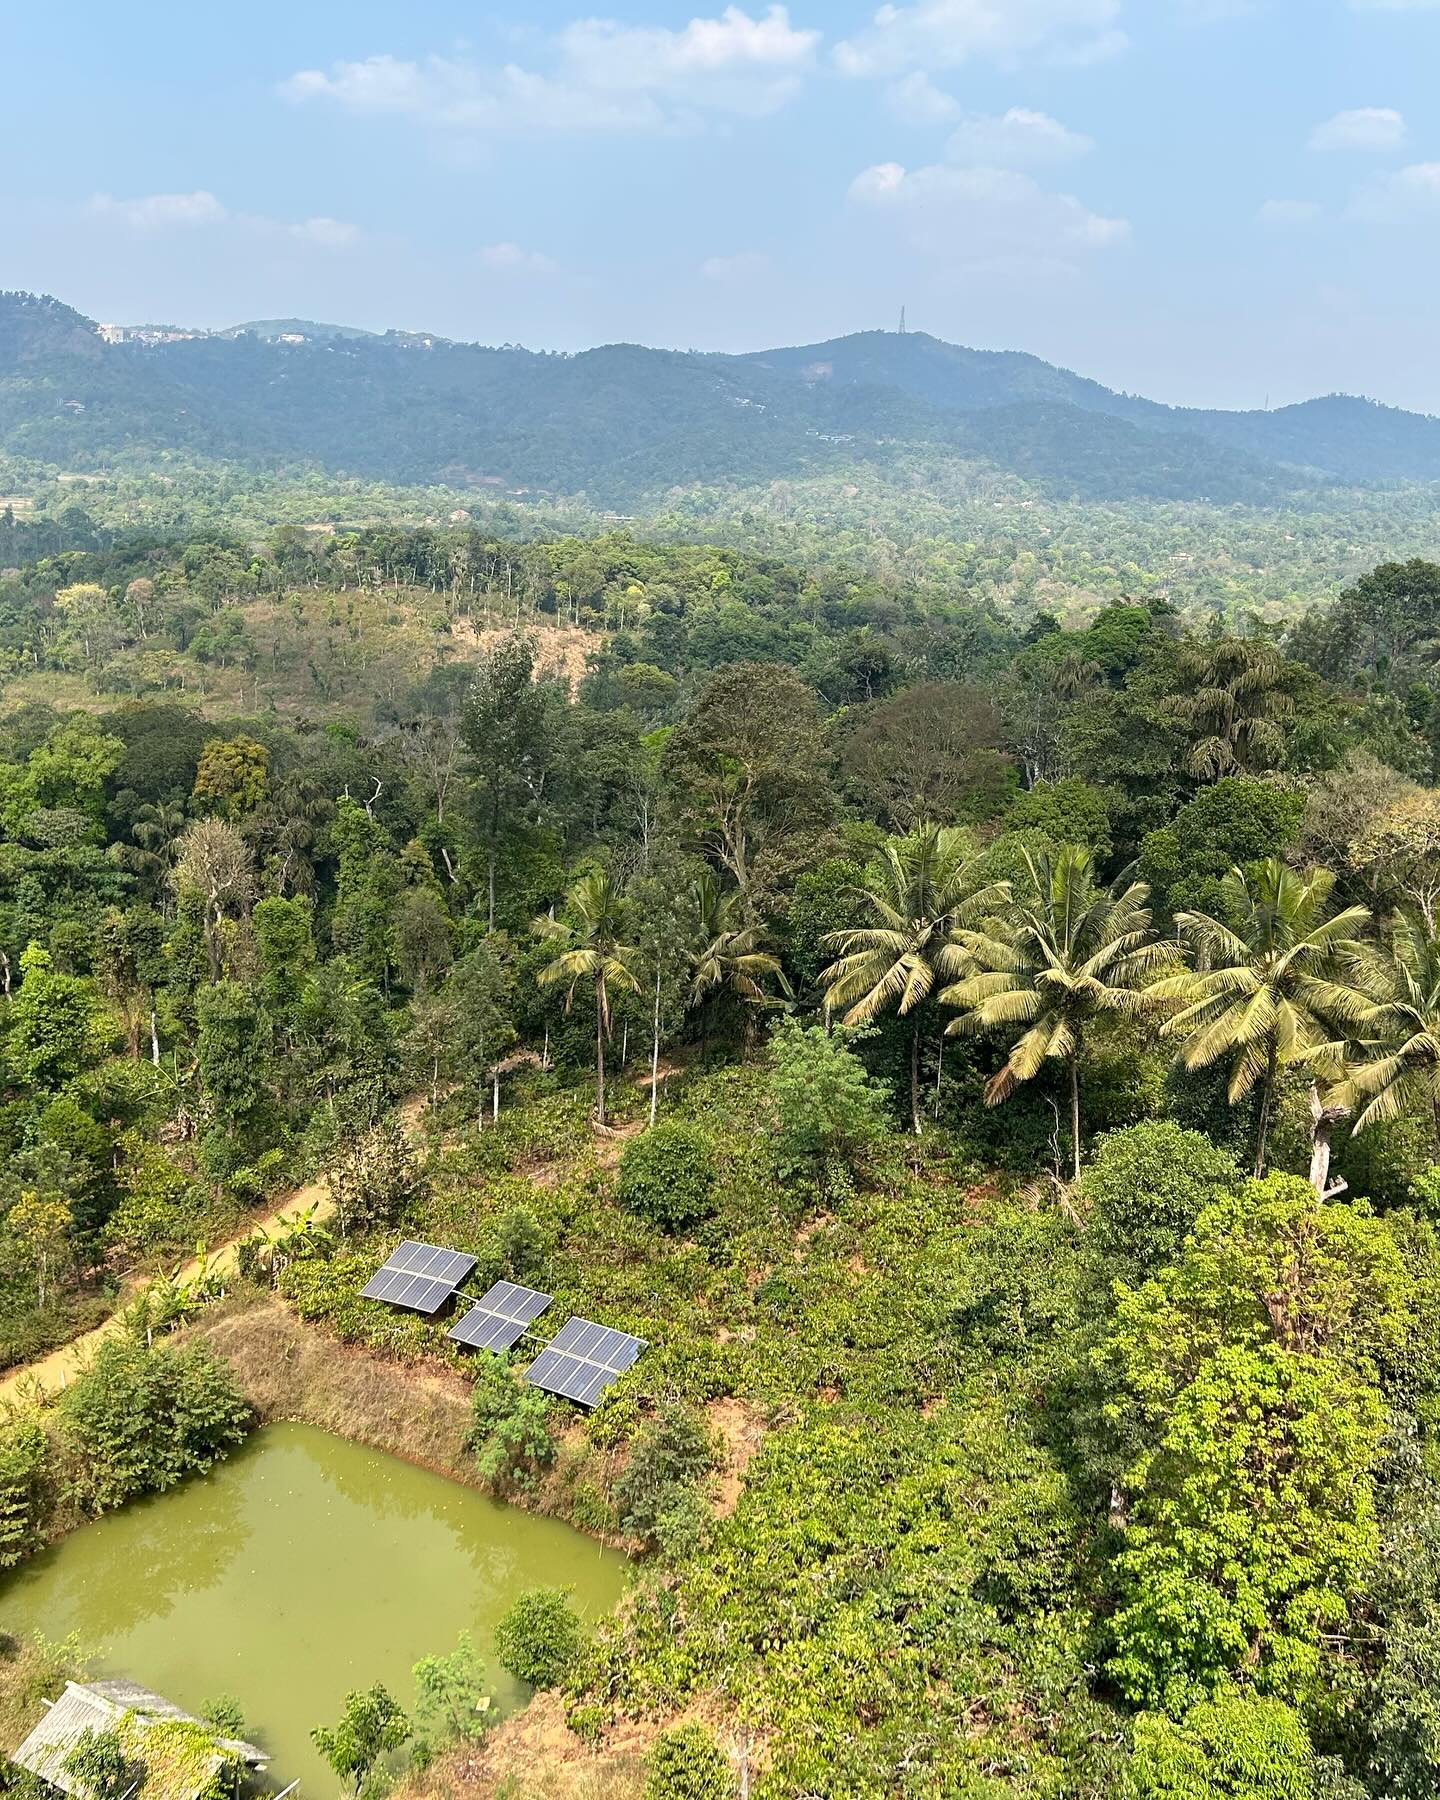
(1271, 993)
(594, 952)
(1235, 707)
(727, 957)
(1397, 1066)
(923, 888)
(1069, 951)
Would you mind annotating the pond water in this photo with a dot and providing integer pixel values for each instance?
(301, 1568)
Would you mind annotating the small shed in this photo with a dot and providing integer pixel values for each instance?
(186, 1763)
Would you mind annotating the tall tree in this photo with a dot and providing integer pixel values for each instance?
(750, 770)
(1235, 706)
(592, 931)
(921, 890)
(727, 955)
(1268, 993)
(1068, 952)
(504, 732)
(1396, 1070)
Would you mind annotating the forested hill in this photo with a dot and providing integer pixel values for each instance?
(624, 426)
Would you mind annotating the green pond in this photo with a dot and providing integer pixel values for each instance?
(301, 1568)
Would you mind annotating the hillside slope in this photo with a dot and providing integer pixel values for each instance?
(623, 425)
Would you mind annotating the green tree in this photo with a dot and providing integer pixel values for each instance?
(25, 1467)
(727, 958)
(1395, 1071)
(828, 1108)
(749, 770)
(539, 1638)
(1145, 1187)
(371, 1725)
(668, 1175)
(56, 1029)
(230, 779)
(504, 733)
(922, 891)
(1069, 952)
(1242, 1390)
(451, 1697)
(1236, 703)
(592, 930)
(1270, 992)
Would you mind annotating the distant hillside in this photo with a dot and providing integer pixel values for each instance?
(624, 426)
(271, 330)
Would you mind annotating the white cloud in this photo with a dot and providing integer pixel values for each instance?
(943, 34)
(1284, 215)
(744, 265)
(328, 234)
(513, 257)
(1016, 139)
(604, 76)
(150, 214)
(994, 219)
(917, 100)
(160, 212)
(1400, 198)
(1363, 128)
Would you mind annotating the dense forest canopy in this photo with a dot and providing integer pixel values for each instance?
(1023, 1042)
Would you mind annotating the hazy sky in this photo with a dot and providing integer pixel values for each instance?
(1202, 200)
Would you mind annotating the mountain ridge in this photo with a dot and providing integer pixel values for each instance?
(623, 424)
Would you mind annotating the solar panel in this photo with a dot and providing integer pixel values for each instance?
(420, 1276)
(583, 1359)
(499, 1318)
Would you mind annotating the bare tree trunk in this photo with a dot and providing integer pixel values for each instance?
(915, 1079)
(599, 1052)
(1323, 1121)
(655, 1049)
(1265, 1103)
(1075, 1107)
(154, 1040)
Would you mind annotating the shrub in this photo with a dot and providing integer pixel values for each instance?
(828, 1110)
(140, 1419)
(1145, 1188)
(538, 1640)
(374, 1177)
(24, 1464)
(667, 1175)
(509, 1433)
(451, 1697)
(670, 1457)
(370, 1724)
(686, 1763)
(1231, 1748)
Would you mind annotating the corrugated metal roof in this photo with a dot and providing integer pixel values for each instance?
(99, 1706)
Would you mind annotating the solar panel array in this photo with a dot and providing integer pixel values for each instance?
(583, 1359)
(499, 1318)
(420, 1276)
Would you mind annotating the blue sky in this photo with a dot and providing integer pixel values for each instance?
(1209, 201)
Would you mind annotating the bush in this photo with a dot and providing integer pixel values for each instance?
(538, 1640)
(140, 1419)
(827, 1108)
(686, 1763)
(670, 1457)
(509, 1433)
(1145, 1188)
(668, 1175)
(1231, 1748)
(24, 1464)
(375, 1178)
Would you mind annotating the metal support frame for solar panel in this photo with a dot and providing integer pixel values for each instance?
(500, 1317)
(419, 1276)
(583, 1359)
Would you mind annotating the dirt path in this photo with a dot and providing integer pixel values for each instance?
(52, 1372)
